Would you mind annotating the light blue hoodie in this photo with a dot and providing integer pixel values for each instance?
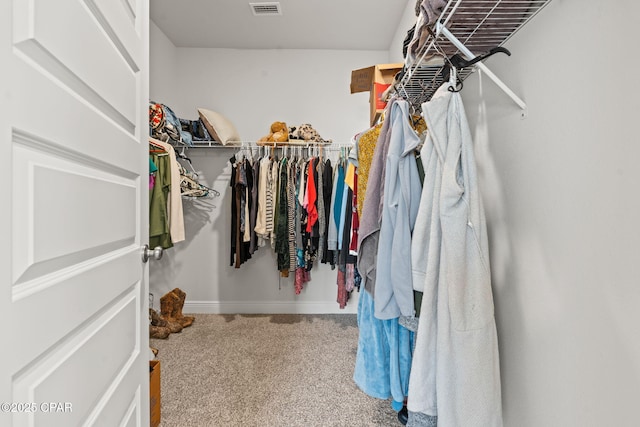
(393, 295)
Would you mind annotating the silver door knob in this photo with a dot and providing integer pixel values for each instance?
(147, 253)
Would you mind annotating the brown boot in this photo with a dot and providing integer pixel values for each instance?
(159, 332)
(177, 313)
(167, 303)
(156, 319)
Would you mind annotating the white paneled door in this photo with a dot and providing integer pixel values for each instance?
(73, 212)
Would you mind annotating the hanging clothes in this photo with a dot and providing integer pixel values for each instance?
(328, 196)
(345, 200)
(351, 180)
(281, 221)
(384, 355)
(402, 190)
(159, 229)
(152, 174)
(366, 148)
(312, 226)
(312, 195)
(303, 200)
(273, 188)
(248, 204)
(371, 210)
(235, 259)
(253, 214)
(174, 200)
(355, 218)
(344, 257)
(264, 202)
(322, 225)
(239, 217)
(302, 274)
(455, 373)
(291, 213)
(288, 202)
(336, 206)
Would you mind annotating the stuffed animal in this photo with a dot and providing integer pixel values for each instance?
(279, 133)
(306, 132)
(293, 133)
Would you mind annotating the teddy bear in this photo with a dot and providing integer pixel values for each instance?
(279, 133)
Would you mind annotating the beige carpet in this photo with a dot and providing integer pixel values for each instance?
(266, 370)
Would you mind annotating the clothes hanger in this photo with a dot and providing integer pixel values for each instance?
(154, 143)
(192, 185)
(415, 114)
(454, 81)
(193, 170)
(155, 147)
(459, 62)
(183, 156)
(448, 72)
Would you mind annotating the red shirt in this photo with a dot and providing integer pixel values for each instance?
(312, 211)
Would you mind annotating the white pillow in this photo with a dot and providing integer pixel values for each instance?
(220, 128)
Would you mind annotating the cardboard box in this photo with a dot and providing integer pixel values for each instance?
(154, 392)
(375, 79)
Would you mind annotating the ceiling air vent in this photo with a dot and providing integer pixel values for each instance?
(266, 8)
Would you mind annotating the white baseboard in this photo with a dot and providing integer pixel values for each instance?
(260, 307)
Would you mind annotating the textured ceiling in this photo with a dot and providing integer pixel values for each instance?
(304, 24)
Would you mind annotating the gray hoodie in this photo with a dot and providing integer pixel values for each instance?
(455, 371)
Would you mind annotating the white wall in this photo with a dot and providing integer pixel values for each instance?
(253, 88)
(407, 21)
(563, 211)
(162, 64)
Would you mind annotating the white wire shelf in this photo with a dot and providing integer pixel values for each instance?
(479, 25)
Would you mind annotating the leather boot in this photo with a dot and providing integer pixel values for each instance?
(177, 309)
(167, 302)
(158, 332)
(158, 327)
(156, 319)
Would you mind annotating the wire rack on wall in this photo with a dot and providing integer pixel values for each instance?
(469, 28)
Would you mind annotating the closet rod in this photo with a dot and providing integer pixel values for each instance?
(254, 144)
(331, 147)
(441, 29)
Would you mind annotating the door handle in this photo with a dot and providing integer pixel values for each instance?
(147, 253)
